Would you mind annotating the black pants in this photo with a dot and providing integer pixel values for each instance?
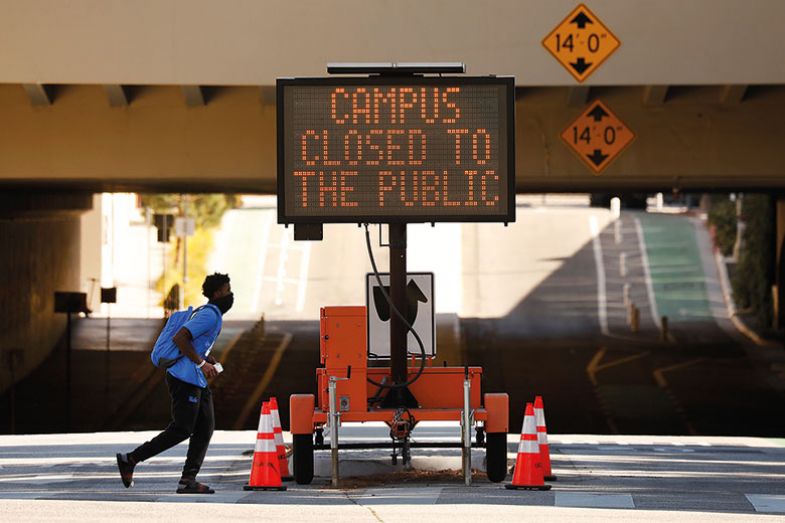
(192, 417)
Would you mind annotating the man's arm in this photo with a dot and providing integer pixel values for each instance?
(183, 341)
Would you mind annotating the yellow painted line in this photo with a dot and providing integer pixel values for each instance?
(659, 374)
(253, 400)
(620, 361)
(591, 368)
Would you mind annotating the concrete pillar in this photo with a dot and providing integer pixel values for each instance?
(40, 238)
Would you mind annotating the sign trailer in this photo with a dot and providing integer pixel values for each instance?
(395, 147)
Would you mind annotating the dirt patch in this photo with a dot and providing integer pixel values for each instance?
(418, 477)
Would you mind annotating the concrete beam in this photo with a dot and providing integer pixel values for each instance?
(229, 145)
(118, 95)
(39, 94)
(578, 96)
(194, 95)
(732, 94)
(655, 95)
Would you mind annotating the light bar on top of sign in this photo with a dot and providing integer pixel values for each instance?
(386, 150)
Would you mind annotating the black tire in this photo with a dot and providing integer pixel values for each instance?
(302, 450)
(496, 456)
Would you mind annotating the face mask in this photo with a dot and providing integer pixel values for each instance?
(224, 303)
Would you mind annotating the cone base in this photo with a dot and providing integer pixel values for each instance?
(527, 487)
(249, 487)
(550, 478)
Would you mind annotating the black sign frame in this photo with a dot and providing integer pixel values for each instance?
(385, 80)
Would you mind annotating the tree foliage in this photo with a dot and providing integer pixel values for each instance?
(754, 276)
(206, 209)
(722, 216)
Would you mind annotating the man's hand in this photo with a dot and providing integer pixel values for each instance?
(209, 370)
(212, 360)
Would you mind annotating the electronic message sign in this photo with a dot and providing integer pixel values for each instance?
(396, 149)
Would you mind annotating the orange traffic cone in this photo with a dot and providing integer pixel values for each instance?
(542, 439)
(265, 474)
(528, 467)
(280, 450)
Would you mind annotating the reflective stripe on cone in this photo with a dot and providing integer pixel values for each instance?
(528, 473)
(265, 472)
(279, 446)
(542, 438)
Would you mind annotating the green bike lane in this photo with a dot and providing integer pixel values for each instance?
(676, 270)
(709, 369)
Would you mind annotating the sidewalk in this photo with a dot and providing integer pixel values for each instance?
(600, 478)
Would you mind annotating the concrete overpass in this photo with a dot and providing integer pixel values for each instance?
(177, 95)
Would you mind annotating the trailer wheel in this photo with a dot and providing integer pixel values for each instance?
(496, 456)
(303, 458)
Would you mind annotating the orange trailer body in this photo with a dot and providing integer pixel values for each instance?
(439, 390)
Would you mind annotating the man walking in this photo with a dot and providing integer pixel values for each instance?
(192, 402)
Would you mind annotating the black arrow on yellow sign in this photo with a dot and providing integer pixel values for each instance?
(581, 42)
(598, 113)
(597, 157)
(580, 65)
(581, 20)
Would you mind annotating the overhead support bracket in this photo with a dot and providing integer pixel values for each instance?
(118, 95)
(654, 95)
(394, 69)
(732, 94)
(194, 95)
(39, 94)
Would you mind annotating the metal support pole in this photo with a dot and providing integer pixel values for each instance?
(398, 331)
(335, 419)
(185, 249)
(107, 361)
(68, 373)
(626, 295)
(148, 219)
(664, 335)
(466, 425)
(166, 237)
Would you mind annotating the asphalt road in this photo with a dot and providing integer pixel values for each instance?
(68, 477)
(540, 305)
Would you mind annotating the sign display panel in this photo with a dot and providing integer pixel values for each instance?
(393, 149)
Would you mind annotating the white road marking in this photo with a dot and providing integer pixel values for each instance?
(767, 502)
(655, 315)
(589, 500)
(218, 497)
(396, 496)
(602, 301)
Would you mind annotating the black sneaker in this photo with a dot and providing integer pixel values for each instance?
(126, 470)
(193, 487)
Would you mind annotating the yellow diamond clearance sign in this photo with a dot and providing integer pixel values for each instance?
(581, 43)
(598, 136)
